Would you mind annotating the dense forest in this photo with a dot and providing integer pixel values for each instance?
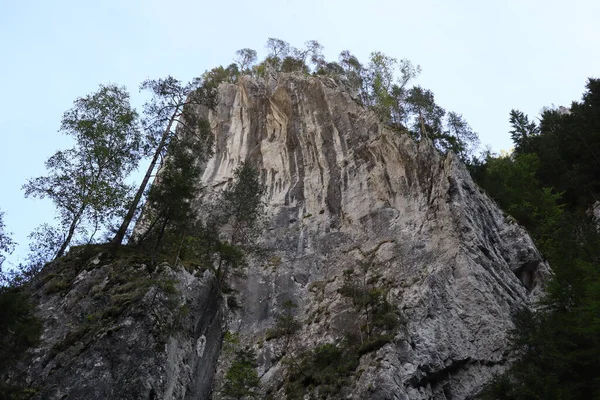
(549, 183)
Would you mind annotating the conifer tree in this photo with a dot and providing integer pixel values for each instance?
(241, 379)
(242, 204)
(427, 114)
(170, 110)
(171, 205)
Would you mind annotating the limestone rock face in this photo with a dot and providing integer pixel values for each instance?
(114, 330)
(345, 191)
(345, 195)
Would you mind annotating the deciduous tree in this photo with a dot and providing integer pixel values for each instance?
(6, 243)
(427, 115)
(86, 182)
(244, 59)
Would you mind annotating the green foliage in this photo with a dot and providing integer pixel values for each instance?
(230, 259)
(286, 323)
(6, 243)
(523, 131)
(377, 317)
(386, 95)
(170, 207)
(382, 85)
(245, 58)
(56, 285)
(44, 243)
(548, 186)
(459, 137)
(19, 326)
(231, 340)
(325, 370)
(118, 294)
(184, 141)
(216, 76)
(241, 379)
(428, 115)
(86, 182)
(512, 182)
(174, 228)
(242, 204)
(170, 115)
(17, 392)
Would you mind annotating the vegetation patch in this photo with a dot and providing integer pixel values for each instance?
(323, 371)
(286, 323)
(56, 285)
(20, 328)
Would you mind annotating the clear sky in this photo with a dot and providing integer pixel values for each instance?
(480, 58)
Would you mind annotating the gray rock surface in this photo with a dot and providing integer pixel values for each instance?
(113, 330)
(344, 190)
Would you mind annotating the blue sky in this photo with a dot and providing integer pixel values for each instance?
(480, 58)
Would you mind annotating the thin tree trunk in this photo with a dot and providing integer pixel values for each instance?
(158, 244)
(423, 131)
(142, 239)
(95, 230)
(76, 220)
(118, 239)
(179, 248)
(72, 228)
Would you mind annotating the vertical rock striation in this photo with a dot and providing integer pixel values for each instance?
(344, 190)
(344, 193)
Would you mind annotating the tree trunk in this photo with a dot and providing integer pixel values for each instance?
(423, 131)
(118, 239)
(158, 244)
(72, 228)
(179, 248)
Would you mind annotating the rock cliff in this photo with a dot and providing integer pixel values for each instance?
(344, 191)
(113, 329)
(350, 204)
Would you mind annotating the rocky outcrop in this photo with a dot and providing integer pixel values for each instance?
(347, 198)
(114, 330)
(345, 191)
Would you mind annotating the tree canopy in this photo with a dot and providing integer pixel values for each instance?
(550, 184)
(86, 182)
(384, 84)
(170, 112)
(6, 243)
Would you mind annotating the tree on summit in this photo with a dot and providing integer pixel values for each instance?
(245, 58)
(170, 112)
(523, 130)
(86, 182)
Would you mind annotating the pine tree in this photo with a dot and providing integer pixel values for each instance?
(242, 205)
(522, 131)
(170, 111)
